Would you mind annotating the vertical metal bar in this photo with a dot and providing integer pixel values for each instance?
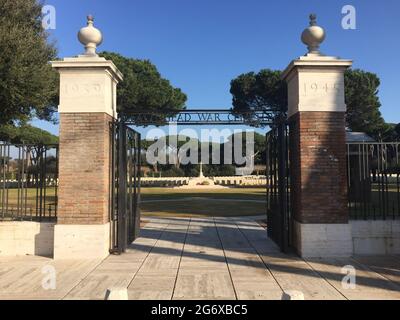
(113, 186)
(364, 181)
(131, 172)
(266, 174)
(288, 186)
(3, 184)
(56, 183)
(274, 207)
(8, 174)
(349, 180)
(122, 188)
(41, 178)
(24, 186)
(378, 179)
(282, 186)
(370, 184)
(19, 187)
(398, 178)
(139, 183)
(44, 175)
(134, 184)
(386, 179)
(364, 184)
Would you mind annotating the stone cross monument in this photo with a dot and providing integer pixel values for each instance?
(201, 174)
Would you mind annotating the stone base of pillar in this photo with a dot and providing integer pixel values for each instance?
(81, 241)
(323, 240)
(21, 238)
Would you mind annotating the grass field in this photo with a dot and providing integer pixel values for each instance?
(210, 202)
(377, 205)
(30, 197)
(16, 204)
(175, 202)
(228, 202)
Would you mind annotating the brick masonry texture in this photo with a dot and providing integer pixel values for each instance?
(318, 167)
(84, 169)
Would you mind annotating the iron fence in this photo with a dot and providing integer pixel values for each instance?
(278, 186)
(373, 179)
(28, 182)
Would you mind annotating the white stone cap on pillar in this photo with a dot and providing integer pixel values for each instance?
(92, 62)
(315, 81)
(88, 83)
(315, 61)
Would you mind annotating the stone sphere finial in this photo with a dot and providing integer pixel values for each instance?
(90, 37)
(313, 36)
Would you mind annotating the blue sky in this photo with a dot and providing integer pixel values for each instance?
(201, 45)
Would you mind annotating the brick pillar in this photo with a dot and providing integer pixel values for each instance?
(318, 155)
(87, 107)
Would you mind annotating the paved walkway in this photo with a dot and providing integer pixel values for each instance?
(216, 258)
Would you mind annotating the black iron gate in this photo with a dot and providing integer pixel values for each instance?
(278, 185)
(125, 189)
(125, 215)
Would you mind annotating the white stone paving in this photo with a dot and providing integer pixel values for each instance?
(201, 258)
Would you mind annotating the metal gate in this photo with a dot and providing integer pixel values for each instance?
(125, 215)
(278, 185)
(125, 189)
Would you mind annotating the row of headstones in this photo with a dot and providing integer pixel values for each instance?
(164, 182)
(241, 181)
(224, 181)
(49, 182)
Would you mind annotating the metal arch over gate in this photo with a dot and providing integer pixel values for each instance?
(126, 155)
(200, 117)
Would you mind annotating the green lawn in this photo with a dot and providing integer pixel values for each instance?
(377, 205)
(30, 195)
(174, 202)
(213, 202)
(17, 203)
(203, 202)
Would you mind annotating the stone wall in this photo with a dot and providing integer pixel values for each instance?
(375, 237)
(21, 238)
(322, 240)
(81, 241)
(380, 237)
